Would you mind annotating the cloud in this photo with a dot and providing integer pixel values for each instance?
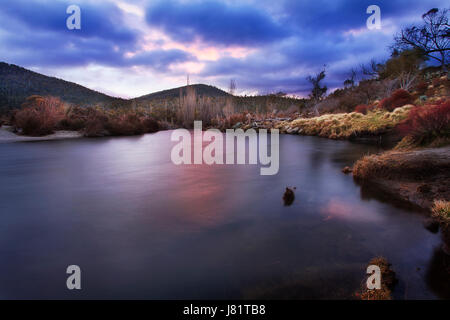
(99, 20)
(215, 22)
(35, 34)
(276, 44)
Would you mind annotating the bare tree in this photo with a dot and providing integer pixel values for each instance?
(232, 87)
(317, 91)
(350, 82)
(372, 69)
(432, 38)
(229, 108)
(406, 80)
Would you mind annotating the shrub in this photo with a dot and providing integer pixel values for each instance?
(421, 87)
(441, 211)
(95, 128)
(399, 98)
(150, 125)
(362, 108)
(231, 120)
(76, 118)
(427, 123)
(388, 281)
(39, 115)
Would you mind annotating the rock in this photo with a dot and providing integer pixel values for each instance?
(292, 130)
(424, 188)
(237, 125)
(347, 170)
(288, 196)
(431, 225)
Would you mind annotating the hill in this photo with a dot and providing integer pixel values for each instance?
(17, 83)
(200, 90)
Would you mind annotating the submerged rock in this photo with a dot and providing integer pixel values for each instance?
(288, 196)
(347, 170)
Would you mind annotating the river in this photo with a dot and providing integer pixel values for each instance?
(140, 227)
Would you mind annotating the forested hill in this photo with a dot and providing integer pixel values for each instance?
(17, 83)
(200, 90)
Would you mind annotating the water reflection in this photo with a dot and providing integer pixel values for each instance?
(141, 227)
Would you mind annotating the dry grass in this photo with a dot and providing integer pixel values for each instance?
(388, 281)
(414, 165)
(441, 211)
(346, 125)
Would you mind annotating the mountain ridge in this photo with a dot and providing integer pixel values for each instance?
(17, 83)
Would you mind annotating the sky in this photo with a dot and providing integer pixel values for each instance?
(132, 48)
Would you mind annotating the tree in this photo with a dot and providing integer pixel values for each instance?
(372, 69)
(350, 82)
(232, 88)
(432, 38)
(317, 91)
(403, 67)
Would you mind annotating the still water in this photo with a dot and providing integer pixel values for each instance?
(141, 227)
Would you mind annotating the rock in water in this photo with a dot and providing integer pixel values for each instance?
(347, 170)
(288, 197)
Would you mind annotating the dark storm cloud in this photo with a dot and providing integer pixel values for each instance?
(99, 20)
(36, 35)
(215, 22)
(289, 39)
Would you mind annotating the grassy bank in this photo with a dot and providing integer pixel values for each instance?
(347, 125)
(416, 176)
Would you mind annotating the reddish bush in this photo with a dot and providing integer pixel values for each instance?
(39, 115)
(426, 123)
(362, 108)
(95, 127)
(125, 125)
(421, 87)
(235, 118)
(399, 98)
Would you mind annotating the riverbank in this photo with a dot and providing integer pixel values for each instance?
(6, 135)
(416, 176)
(347, 125)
